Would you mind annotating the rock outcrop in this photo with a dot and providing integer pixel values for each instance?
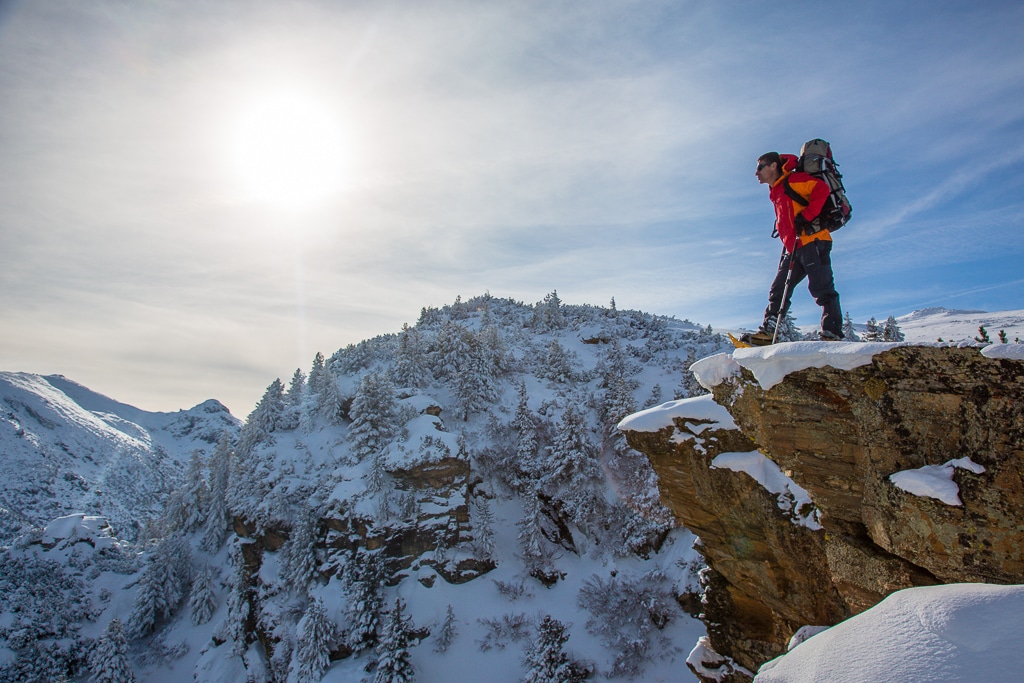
(840, 435)
(408, 527)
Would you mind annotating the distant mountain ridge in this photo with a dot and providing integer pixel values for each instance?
(949, 324)
(67, 449)
(930, 324)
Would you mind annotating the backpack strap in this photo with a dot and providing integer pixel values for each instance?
(814, 225)
(793, 194)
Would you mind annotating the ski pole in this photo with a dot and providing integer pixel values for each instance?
(785, 292)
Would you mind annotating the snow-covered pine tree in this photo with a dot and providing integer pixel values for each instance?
(468, 362)
(572, 459)
(299, 563)
(983, 336)
(410, 368)
(551, 312)
(788, 330)
(520, 472)
(617, 401)
(891, 330)
(849, 333)
(373, 414)
(292, 400)
(315, 639)
(483, 527)
(655, 397)
(534, 553)
(447, 633)
(322, 397)
(296, 389)
(202, 600)
(485, 311)
(872, 333)
(556, 364)
(474, 383)
(614, 363)
(546, 659)
(688, 385)
(109, 660)
(218, 516)
(375, 478)
(195, 495)
(628, 613)
(236, 624)
(265, 418)
(364, 606)
(316, 383)
(317, 376)
(494, 349)
(161, 586)
(451, 349)
(393, 656)
(572, 469)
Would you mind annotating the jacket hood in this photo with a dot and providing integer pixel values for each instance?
(788, 166)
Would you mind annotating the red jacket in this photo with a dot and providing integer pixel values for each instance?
(813, 190)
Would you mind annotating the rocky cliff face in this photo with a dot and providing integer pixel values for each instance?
(840, 434)
(436, 496)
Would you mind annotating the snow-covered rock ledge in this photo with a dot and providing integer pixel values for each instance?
(771, 364)
(699, 409)
(690, 418)
(911, 453)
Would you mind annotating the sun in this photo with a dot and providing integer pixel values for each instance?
(288, 151)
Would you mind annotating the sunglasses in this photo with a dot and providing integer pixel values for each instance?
(760, 166)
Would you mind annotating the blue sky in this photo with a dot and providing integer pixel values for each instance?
(600, 149)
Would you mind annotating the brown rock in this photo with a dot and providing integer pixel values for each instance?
(840, 435)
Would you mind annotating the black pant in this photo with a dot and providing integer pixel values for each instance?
(813, 261)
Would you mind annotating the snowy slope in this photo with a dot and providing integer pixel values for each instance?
(958, 633)
(66, 449)
(949, 325)
(931, 324)
(453, 385)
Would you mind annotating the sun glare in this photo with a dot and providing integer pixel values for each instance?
(288, 151)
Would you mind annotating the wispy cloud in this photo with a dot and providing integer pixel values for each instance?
(603, 149)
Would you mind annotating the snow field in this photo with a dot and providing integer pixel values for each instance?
(956, 633)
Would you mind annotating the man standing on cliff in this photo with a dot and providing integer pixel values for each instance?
(798, 199)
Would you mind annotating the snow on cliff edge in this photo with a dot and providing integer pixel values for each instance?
(771, 364)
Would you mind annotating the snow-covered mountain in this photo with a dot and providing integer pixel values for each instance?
(932, 324)
(947, 325)
(452, 498)
(472, 458)
(66, 449)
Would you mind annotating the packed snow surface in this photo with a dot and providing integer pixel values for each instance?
(700, 408)
(1008, 351)
(771, 364)
(957, 633)
(935, 481)
(78, 526)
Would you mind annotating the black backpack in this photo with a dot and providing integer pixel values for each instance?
(816, 160)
